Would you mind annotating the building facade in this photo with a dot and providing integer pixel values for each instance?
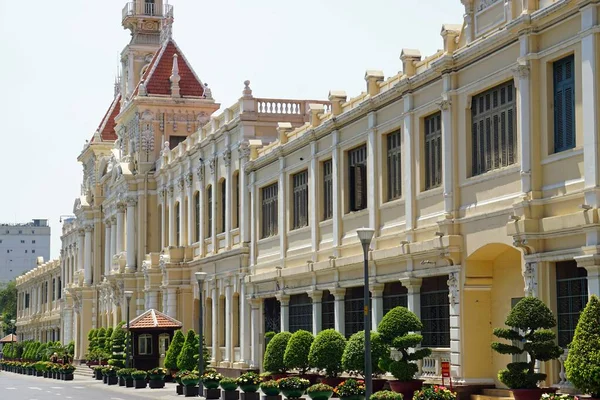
(21, 245)
(39, 303)
(477, 167)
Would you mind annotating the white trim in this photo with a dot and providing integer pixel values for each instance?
(563, 184)
(562, 155)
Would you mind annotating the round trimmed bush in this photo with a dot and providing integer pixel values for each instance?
(326, 352)
(399, 321)
(273, 360)
(174, 350)
(353, 359)
(583, 361)
(296, 356)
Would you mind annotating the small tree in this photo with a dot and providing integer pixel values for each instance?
(117, 357)
(530, 322)
(583, 361)
(205, 352)
(185, 359)
(395, 328)
(174, 350)
(353, 359)
(296, 356)
(108, 341)
(92, 340)
(273, 360)
(326, 352)
(101, 339)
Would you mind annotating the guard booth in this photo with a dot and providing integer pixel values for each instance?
(151, 334)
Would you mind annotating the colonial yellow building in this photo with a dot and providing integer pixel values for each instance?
(478, 167)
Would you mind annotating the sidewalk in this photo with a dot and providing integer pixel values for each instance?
(166, 393)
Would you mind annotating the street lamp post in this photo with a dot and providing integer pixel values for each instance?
(366, 235)
(200, 277)
(128, 296)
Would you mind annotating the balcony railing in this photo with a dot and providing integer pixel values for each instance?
(431, 367)
(149, 9)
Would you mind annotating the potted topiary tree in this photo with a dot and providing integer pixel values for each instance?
(173, 352)
(92, 344)
(117, 354)
(156, 378)
(353, 359)
(273, 359)
(139, 379)
(530, 322)
(185, 359)
(395, 331)
(583, 361)
(326, 354)
(296, 356)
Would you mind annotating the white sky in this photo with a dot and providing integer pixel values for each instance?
(58, 62)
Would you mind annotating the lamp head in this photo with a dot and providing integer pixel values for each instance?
(128, 294)
(365, 235)
(200, 276)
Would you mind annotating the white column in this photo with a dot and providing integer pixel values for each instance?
(377, 305)
(191, 221)
(281, 211)
(408, 184)
(284, 300)
(215, 325)
(589, 104)
(447, 146)
(455, 345)
(339, 310)
(107, 255)
(80, 249)
(255, 335)
(253, 218)
(152, 299)
(228, 209)
(414, 294)
(131, 203)
(313, 202)
(172, 238)
(244, 222)
(87, 261)
(163, 218)
(228, 323)
(317, 311)
(593, 279)
(215, 210)
(524, 115)
(120, 227)
(165, 299)
(201, 194)
(244, 322)
(373, 175)
(337, 195)
(172, 302)
(113, 237)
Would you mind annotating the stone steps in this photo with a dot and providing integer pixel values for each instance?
(493, 394)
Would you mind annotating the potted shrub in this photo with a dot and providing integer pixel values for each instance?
(249, 382)
(386, 395)
(97, 370)
(125, 378)
(293, 387)
(211, 380)
(530, 322)
(190, 384)
(177, 377)
(66, 372)
(273, 359)
(139, 378)
(395, 331)
(583, 361)
(296, 356)
(117, 352)
(319, 391)
(271, 390)
(326, 354)
(434, 393)
(185, 359)
(229, 386)
(353, 359)
(156, 378)
(173, 351)
(111, 375)
(351, 389)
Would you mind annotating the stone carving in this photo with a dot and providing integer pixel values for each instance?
(483, 4)
(522, 71)
(202, 118)
(180, 184)
(131, 201)
(189, 179)
(530, 277)
(200, 172)
(171, 190)
(227, 158)
(165, 149)
(453, 287)
(445, 105)
(207, 92)
(162, 264)
(244, 151)
(212, 164)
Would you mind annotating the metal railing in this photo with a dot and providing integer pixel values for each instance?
(149, 9)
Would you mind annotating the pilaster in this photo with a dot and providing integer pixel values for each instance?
(284, 300)
(317, 310)
(339, 309)
(377, 305)
(413, 285)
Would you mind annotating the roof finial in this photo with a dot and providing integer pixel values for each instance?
(207, 92)
(142, 91)
(175, 78)
(247, 91)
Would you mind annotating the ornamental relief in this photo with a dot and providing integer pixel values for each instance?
(483, 4)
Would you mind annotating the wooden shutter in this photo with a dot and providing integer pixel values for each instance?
(564, 104)
(359, 187)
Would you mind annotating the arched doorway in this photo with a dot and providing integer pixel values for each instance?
(493, 283)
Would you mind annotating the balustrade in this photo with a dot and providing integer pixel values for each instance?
(431, 367)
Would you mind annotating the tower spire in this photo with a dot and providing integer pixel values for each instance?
(175, 78)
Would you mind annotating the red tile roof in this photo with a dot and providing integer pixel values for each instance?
(158, 74)
(107, 126)
(154, 319)
(9, 339)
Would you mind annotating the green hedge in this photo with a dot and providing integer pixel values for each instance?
(275, 352)
(296, 354)
(326, 352)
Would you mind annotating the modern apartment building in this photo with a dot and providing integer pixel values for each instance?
(21, 245)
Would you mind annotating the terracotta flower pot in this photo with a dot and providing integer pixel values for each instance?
(408, 388)
(378, 384)
(333, 382)
(531, 394)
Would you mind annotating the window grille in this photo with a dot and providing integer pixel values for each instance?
(269, 210)
(435, 312)
(394, 166)
(327, 310)
(493, 129)
(357, 171)
(433, 151)
(571, 298)
(354, 310)
(300, 308)
(394, 295)
(272, 314)
(300, 199)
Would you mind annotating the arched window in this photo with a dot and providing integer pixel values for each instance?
(197, 216)
(177, 225)
(145, 344)
(236, 200)
(209, 216)
(223, 189)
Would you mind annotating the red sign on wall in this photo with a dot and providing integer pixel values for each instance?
(445, 369)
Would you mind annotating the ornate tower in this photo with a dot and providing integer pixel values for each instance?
(150, 23)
